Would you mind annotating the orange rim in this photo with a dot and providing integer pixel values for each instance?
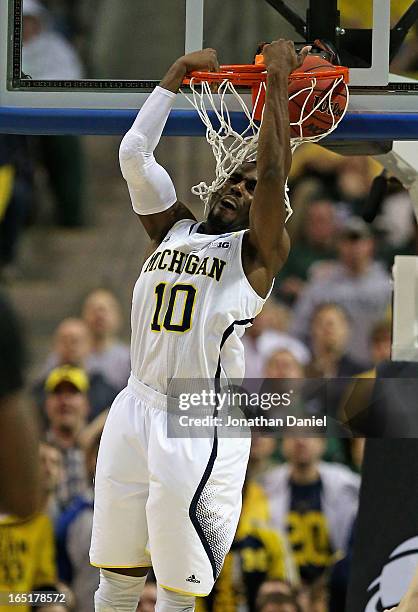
(251, 75)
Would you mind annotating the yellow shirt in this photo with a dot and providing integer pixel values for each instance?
(359, 14)
(27, 556)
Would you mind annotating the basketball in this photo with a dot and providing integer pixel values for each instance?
(304, 100)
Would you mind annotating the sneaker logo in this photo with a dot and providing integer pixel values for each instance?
(193, 578)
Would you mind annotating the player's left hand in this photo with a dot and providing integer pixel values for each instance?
(281, 55)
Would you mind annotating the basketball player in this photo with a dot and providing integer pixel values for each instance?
(168, 502)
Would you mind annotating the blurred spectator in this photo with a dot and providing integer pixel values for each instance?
(73, 345)
(28, 552)
(19, 474)
(52, 470)
(274, 586)
(47, 55)
(67, 408)
(272, 317)
(73, 538)
(330, 331)
(314, 502)
(316, 243)
(268, 334)
(396, 223)
(356, 282)
(319, 596)
(259, 552)
(148, 598)
(283, 364)
(261, 456)
(278, 602)
(109, 356)
(354, 180)
(16, 195)
(381, 342)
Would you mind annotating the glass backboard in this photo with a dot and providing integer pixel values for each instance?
(94, 73)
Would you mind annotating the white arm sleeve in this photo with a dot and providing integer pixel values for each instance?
(150, 187)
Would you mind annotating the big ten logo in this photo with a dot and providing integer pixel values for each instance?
(220, 245)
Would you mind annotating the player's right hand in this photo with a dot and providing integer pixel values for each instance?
(281, 55)
(207, 59)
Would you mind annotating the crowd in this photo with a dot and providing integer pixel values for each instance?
(328, 317)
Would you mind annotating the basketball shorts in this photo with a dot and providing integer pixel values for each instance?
(173, 503)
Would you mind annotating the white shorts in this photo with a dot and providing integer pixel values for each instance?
(173, 503)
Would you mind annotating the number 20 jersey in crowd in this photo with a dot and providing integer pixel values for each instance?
(191, 305)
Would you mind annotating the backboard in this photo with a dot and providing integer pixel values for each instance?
(126, 47)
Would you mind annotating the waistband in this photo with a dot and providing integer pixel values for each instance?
(147, 394)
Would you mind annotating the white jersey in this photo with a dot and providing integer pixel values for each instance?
(191, 305)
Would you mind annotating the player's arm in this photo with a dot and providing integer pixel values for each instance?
(266, 245)
(151, 189)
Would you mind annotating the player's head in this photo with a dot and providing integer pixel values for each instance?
(229, 207)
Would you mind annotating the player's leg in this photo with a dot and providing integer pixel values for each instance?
(120, 534)
(168, 601)
(120, 590)
(193, 509)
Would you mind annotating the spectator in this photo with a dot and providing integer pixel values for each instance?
(278, 602)
(67, 408)
(356, 282)
(274, 586)
(109, 356)
(73, 537)
(354, 180)
(259, 552)
(317, 243)
(16, 195)
(381, 341)
(283, 364)
(261, 456)
(52, 469)
(148, 598)
(19, 474)
(28, 552)
(269, 318)
(47, 55)
(314, 502)
(330, 332)
(72, 345)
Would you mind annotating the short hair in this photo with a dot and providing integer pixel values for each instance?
(330, 305)
(278, 598)
(381, 330)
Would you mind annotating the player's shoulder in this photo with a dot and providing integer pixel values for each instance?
(182, 227)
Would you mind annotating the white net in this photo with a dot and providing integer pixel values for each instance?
(232, 148)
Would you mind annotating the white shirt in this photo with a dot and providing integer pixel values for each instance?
(191, 305)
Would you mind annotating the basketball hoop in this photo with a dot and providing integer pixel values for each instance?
(312, 92)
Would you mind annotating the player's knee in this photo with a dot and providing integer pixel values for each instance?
(168, 601)
(118, 592)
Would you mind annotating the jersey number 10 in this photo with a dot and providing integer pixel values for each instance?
(185, 292)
